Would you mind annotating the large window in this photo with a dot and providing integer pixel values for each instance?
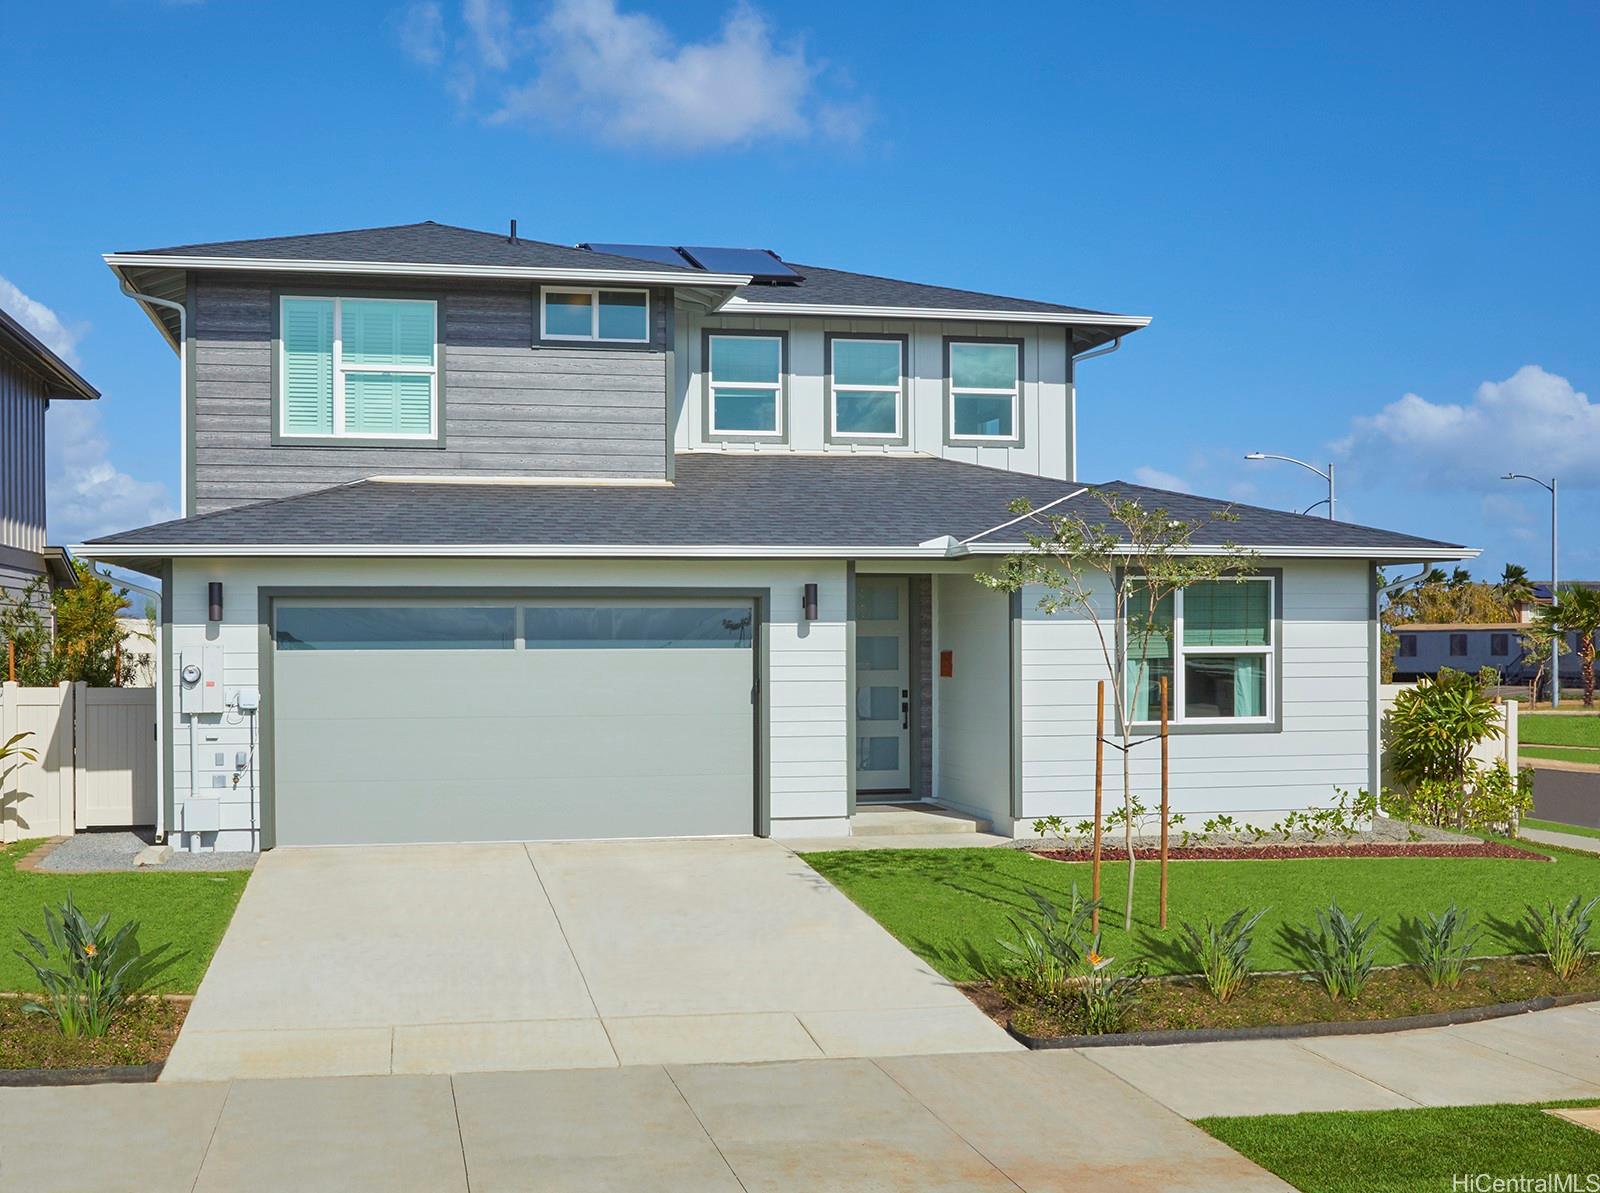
(985, 387)
(746, 376)
(359, 368)
(866, 387)
(608, 316)
(1213, 643)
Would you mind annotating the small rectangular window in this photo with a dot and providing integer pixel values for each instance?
(1458, 646)
(1499, 645)
(630, 627)
(1408, 646)
(984, 391)
(601, 316)
(396, 627)
(866, 388)
(746, 378)
(359, 368)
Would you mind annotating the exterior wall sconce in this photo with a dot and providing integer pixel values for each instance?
(808, 600)
(214, 600)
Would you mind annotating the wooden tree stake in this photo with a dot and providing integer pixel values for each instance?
(1099, 787)
(1165, 806)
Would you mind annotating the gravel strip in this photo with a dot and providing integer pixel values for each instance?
(99, 852)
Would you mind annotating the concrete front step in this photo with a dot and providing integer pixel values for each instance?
(883, 820)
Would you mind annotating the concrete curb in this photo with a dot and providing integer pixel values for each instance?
(1299, 1031)
(105, 1075)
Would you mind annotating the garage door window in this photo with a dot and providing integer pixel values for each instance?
(621, 627)
(396, 627)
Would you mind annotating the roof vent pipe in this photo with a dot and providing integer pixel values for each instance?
(512, 239)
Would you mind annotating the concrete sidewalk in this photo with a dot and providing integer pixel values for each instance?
(1043, 1122)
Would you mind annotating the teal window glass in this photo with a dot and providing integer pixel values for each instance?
(1227, 613)
(980, 414)
(984, 390)
(866, 387)
(866, 363)
(1150, 653)
(306, 332)
(624, 315)
(569, 315)
(396, 627)
(746, 360)
(631, 627)
(746, 384)
(746, 409)
(983, 366)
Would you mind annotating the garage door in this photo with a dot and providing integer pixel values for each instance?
(400, 721)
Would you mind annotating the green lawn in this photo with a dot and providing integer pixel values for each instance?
(1555, 826)
(189, 911)
(1402, 1151)
(951, 906)
(1559, 729)
(1563, 753)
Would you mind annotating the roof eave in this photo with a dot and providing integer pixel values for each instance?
(1432, 553)
(656, 277)
(743, 306)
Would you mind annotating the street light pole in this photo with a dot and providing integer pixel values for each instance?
(1553, 488)
(1327, 476)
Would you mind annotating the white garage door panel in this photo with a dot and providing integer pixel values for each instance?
(565, 739)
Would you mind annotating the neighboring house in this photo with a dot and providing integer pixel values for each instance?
(31, 377)
(487, 538)
(1424, 648)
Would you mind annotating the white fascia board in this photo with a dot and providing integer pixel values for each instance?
(1375, 554)
(662, 277)
(111, 551)
(743, 306)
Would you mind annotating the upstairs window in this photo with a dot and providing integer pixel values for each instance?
(984, 391)
(867, 379)
(746, 379)
(358, 368)
(602, 316)
(1213, 643)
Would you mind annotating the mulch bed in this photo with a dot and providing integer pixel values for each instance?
(143, 1034)
(1280, 852)
(1184, 1004)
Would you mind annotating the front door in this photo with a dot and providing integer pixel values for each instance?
(883, 686)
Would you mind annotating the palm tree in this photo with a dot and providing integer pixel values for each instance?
(1578, 613)
(1516, 590)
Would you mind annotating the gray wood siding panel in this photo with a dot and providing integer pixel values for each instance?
(510, 408)
(22, 414)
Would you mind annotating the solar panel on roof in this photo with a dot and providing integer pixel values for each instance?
(661, 254)
(761, 264)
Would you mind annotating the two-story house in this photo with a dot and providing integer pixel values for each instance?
(31, 377)
(489, 539)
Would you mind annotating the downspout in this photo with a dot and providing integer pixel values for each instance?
(1375, 677)
(1072, 408)
(164, 693)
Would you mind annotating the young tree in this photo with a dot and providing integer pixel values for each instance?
(1536, 639)
(87, 641)
(1578, 613)
(1119, 573)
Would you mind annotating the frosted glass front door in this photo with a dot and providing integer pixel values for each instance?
(883, 685)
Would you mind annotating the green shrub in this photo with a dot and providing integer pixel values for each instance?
(1106, 998)
(1050, 947)
(1432, 728)
(1341, 952)
(94, 974)
(1444, 943)
(1488, 799)
(1222, 951)
(1563, 934)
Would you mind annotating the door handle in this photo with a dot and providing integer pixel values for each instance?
(905, 714)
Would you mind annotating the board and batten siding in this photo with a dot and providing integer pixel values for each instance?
(1253, 776)
(511, 407)
(23, 402)
(1046, 407)
(806, 687)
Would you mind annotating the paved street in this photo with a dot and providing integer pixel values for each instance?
(1569, 796)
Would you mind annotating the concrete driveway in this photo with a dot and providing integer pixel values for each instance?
(456, 958)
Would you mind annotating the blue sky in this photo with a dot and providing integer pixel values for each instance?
(1366, 234)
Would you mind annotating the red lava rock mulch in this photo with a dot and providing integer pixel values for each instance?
(1195, 853)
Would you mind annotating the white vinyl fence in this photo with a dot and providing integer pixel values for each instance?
(97, 759)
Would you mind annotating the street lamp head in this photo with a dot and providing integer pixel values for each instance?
(1510, 476)
(1255, 456)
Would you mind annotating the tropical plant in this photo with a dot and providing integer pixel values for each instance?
(1577, 612)
(1340, 951)
(1444, 943)
(1105, 997)
(1433, 727)
(1222, 951)
(1050, 946)
(88, 975)
(86, 644)
(1488, 799)
(1563, 934)
(1119, 573)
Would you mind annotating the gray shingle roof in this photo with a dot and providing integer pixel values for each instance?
(726, 499)
(21, 344)
(425, 243)
(836, 286)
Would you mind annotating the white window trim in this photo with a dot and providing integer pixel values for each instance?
(898, 390)
(594, 336)
(1180, 652)
(1014, 393)
(340, 369)
(776, 390)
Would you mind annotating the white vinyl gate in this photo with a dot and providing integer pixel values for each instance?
(97, 759)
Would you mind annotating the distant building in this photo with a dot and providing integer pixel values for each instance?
(1471, 646)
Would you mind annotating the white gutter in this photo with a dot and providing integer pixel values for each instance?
(745, 306)
(663, 277)
(934, 549)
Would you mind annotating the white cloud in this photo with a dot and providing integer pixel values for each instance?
(43, 322)
(1534, 421)
(1156, 479)
(625, 78)
(87, 494)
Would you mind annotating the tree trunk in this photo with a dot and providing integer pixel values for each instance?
(1127, 824)
(1586, 651)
